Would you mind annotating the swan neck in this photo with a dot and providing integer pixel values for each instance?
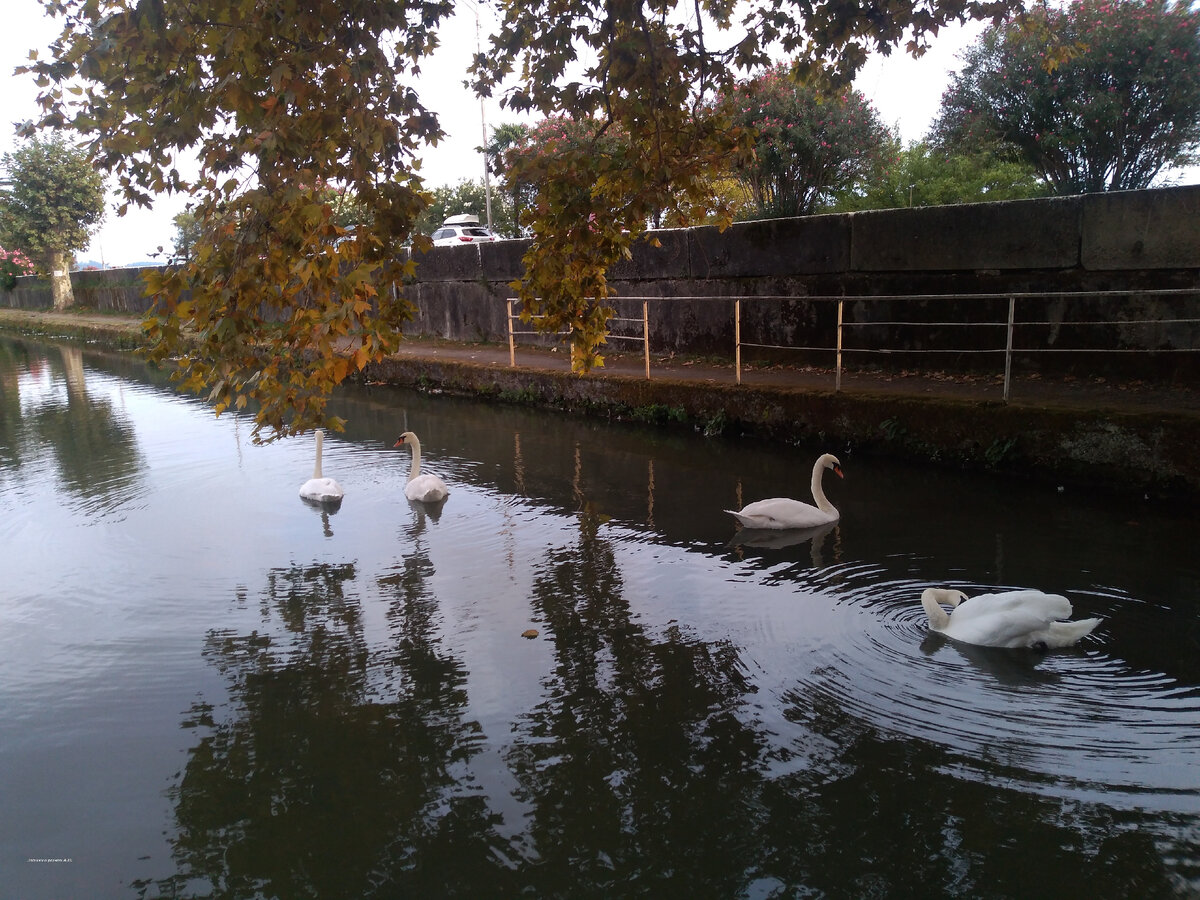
(415, 469)
(938, 617)
(818, 490)
(317, 465)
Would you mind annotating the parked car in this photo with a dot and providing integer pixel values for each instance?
(464, 229)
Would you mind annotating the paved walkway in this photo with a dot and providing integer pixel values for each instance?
(1130, 395)
(1070, 392)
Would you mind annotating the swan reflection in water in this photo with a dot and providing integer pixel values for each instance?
(999, 663)
(324, 510)
(778, 539)
(432, 509)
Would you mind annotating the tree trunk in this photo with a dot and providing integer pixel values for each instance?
(60, 280)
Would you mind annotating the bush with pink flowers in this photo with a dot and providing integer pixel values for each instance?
(12, 264)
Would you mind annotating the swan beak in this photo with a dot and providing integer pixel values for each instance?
(837, 470)
(399, 443)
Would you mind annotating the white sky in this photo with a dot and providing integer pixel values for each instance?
(905, 92)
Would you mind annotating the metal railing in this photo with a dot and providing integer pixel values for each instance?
(513, 332)
(1012, 324)
(1006, 343)
(643, 338)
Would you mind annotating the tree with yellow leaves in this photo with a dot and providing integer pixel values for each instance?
(279, 99)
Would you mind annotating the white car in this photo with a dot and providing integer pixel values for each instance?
(464, 229)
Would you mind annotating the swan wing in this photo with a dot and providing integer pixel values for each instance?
(1064, 634)
(782, 512)
(426, 489)
(1049, 607)
(1008, 619)
(322, 490)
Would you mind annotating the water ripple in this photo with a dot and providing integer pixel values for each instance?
(1080, 719)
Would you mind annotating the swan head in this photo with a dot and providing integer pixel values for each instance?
(829, 461)
(406, 438)
(932, 600)
(942, 595)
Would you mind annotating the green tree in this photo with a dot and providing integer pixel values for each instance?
(920, 175)
(518, 196)
(466, 197)
(1111, 113)
(54, 206)
(187, 236)
(809, 145)
(274, 97)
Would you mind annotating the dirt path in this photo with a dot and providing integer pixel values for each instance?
(1094, 394)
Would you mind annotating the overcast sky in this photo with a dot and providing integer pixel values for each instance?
(906, 93)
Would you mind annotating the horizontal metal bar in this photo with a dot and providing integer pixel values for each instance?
(1113, 322)
(786, 347)
(1005, 295)
(905, 352)
(1104, 350)
(928, 324)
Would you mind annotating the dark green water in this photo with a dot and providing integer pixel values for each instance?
(212, 689)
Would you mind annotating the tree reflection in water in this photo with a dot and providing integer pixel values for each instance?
(337, 772)
(751, 722)
(94, 446)
(854, 817)
(347, 766)
(637, 763)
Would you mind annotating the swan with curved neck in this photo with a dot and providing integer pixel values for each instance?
(1008, 619)
(426, 488)
(319, 488)
(783, 512)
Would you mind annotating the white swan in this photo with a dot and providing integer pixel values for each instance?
(425, 488)
(782, 512)
(318, 488)
(1008, 619)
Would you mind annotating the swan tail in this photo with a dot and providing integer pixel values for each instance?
(1064, 634)
(753, 521)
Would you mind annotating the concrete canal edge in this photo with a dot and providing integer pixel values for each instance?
(1152, 453)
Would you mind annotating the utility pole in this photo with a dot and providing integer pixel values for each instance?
(487, 180)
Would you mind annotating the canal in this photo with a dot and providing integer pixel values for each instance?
(575, 678)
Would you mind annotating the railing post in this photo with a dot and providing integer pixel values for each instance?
(512, 347)
(737, 339)
(646, 334)
(837, 380)
(1008, 345)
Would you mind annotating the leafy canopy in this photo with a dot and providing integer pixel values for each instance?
(810, 145)
(56, 199)
(1110, 114)
(920, 175)
(279, 99)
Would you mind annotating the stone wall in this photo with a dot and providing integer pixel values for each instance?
(1123, 242)
(1126, 242)
(104, 290)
